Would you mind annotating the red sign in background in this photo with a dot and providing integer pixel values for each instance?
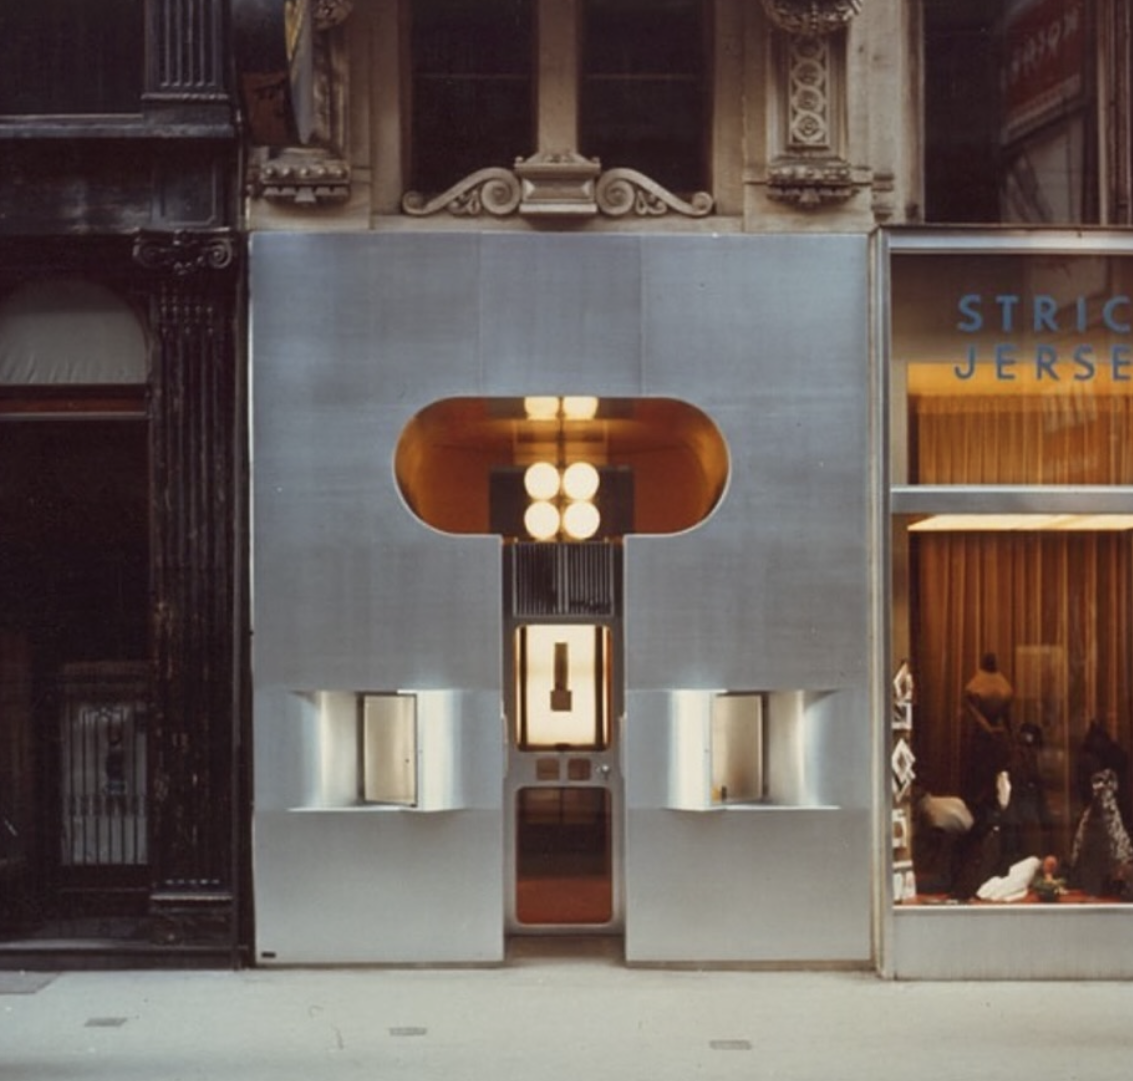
(1045, 53)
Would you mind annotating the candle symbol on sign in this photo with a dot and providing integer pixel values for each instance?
(560, 692)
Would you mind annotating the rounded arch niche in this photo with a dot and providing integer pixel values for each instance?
(664, 460)
(70, 331)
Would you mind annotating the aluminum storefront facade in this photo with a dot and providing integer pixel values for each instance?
(355, 596)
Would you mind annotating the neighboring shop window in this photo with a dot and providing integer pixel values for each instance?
(1012, 423)
(472, 93)
(644, 98)
(1027, 111)
(71, 57)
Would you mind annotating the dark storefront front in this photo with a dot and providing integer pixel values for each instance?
(120, 486)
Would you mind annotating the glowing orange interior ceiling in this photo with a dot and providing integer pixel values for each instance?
(448, 452)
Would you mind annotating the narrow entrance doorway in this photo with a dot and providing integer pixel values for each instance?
(74, 643)
(564, 792)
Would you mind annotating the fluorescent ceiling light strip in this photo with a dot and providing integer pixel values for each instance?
(994, 523)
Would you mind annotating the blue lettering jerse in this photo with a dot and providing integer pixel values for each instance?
(1010, 313)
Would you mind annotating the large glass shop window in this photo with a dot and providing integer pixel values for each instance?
(1012, 540)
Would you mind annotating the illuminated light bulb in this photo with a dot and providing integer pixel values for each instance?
(580, 407)
(541, 520)
(580, 481)
(581, 520)
(541, 408)
(541, 481)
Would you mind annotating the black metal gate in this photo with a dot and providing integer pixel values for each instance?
(104, 800)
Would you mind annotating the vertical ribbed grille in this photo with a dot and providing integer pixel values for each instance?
(188, 53)
(563, 579)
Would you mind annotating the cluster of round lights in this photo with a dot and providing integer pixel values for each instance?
(561, 501)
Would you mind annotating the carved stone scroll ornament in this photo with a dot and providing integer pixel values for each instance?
(182, 253)
(624, 191)
(554, 185)
(487, 191)
(811, 18)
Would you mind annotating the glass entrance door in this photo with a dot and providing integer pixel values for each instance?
(564, 787)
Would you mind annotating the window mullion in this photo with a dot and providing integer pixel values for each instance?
(557, 75)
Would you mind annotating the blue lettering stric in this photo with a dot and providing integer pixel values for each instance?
(1046, 313)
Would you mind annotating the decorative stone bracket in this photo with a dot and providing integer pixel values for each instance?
(812, 183)
(811, 18)
(557, 185)
(305, 176)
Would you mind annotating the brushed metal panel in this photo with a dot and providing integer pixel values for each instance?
(382, 886)
(561, 314)
(721, 315)
(351, 592)
(335, 313)
(1025, 942)
(351, 589)
(769, 336)
(739, 885)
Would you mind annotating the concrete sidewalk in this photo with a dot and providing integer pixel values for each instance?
(555, 1019)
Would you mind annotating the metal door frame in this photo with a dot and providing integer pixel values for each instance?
(605, 764)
